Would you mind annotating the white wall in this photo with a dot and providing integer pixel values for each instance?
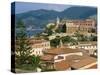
(64, 55)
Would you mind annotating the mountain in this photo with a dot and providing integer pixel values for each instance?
(40, 18)
(79, 12)
(93, 17)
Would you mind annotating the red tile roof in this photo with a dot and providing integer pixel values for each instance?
(47, 57)
(62, 65)
(57, 51)
(84, 62)
(93, 67)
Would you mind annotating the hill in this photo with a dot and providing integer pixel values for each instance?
(40, 18)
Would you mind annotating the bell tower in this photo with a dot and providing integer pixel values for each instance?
(57, 22)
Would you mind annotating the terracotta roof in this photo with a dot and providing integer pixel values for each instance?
(62, 65)
(37, 41)
(36, 38)
(47, 57)
(57, 51)
(74, 61)
(79, 21)
(49, 54)
(84, 62)
(34, 41)
(74, 57)
(87, 43)
(93, 67)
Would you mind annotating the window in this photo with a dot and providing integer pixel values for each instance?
(60, 57)
(73, 68)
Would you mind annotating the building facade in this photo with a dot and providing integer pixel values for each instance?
(39, 45)
(90, 47)
(83, 26)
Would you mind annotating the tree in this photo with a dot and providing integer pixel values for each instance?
(55, 42)
(58, 30)
(81, 37)
(93, 38)
(49, 31)
(66, 39)
(36, 62)
(93, 30)
(23, 48)
(73, 41)
(77, 34)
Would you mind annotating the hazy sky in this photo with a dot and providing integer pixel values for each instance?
(25, 6)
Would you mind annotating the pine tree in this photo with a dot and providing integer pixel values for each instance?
(23, 49)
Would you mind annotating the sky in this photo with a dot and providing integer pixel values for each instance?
(26, 6)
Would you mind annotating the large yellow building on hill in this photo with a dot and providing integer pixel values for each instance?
(82, 26)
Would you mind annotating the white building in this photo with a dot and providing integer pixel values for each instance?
(38, 46)
(90, 47)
